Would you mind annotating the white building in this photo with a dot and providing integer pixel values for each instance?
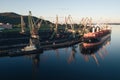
(5, 26)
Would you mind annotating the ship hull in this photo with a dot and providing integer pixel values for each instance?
(100, 41)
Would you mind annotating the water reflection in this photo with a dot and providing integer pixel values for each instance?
(35, 59)
(72, 54)
(34, 44)
(95, 51)
(35, 65)
(57, 53)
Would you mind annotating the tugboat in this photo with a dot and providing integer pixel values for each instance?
(96, 36)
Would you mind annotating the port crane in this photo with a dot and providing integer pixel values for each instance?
(86, 24)
(72, 29)
(22, 25)
(55, 31)
(34, 26)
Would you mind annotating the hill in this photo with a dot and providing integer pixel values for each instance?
(14, 18)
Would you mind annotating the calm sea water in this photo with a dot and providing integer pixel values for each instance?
(67, 63)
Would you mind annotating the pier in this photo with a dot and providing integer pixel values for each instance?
(24, 42)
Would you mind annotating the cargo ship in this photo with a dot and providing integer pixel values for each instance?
(96, 37)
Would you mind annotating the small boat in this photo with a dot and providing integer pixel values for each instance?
(30, 49)
(96, 37)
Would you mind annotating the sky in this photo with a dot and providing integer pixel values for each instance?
(99, 10)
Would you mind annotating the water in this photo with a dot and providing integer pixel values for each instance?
(66, 63)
